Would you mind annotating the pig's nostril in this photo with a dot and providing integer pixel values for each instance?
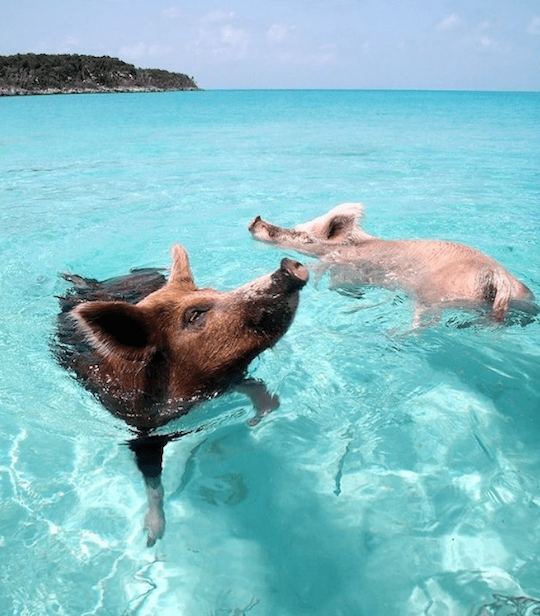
(295, 269)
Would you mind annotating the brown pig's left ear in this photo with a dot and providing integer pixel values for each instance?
(181, 276)
(116, 328)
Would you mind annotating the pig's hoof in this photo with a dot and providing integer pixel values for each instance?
(273, 404)
(154, 524)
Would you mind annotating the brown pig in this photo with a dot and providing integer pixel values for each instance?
(436, 273)
(151, 348)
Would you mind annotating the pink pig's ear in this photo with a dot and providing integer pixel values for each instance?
(115, 328)
(181, 276)
(342, 220)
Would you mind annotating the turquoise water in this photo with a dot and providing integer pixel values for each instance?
(400, 474)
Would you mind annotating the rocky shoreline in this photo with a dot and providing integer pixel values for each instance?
(42, 74)
(23, 92)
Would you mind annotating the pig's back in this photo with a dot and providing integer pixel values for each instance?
(413, 258)
(432, 269)
(455, 271)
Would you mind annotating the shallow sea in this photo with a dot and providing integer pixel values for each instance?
(400, 474)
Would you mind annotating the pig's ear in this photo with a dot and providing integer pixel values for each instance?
(181, 276)
(342, 220)
(115, 328)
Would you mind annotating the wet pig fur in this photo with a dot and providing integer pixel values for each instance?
(150, 348)
(437, 274)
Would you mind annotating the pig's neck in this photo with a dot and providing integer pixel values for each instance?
(146, 394)
(359, 236)
(366, 247)
(129, 388)
(195, 388)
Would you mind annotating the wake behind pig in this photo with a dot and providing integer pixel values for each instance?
(150, 348)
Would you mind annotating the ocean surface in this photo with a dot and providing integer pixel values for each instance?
(401, 473)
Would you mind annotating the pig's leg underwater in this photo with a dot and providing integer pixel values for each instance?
(263, 401)
(425, 315)
(337, 279)
(148, 452)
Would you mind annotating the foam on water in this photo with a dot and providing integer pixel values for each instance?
(400, 474)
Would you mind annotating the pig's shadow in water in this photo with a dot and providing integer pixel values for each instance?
(236, 483)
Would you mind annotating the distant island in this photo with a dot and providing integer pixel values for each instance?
(30, 73)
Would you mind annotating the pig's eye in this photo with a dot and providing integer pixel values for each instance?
(195, 316)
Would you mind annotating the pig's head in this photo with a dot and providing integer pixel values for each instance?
(338, 227)
(203, 337)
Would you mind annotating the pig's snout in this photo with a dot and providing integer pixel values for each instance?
(254, 223)
(262, 230)
(271, 301)
(295, 272)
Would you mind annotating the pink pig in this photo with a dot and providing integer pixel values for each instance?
(438, 274)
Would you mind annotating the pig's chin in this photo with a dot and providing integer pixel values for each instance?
(262, 235)
(271, 322)
(292, 302)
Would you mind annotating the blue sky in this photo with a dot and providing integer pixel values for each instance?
(448, 44)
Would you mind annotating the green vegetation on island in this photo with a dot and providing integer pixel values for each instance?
(32, 73)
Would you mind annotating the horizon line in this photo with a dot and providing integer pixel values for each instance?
(367, 89)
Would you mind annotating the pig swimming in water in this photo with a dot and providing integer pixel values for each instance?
(437, 274)
(151, 348)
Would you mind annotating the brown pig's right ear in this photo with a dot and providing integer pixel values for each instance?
(181, 276)
(115, 328)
